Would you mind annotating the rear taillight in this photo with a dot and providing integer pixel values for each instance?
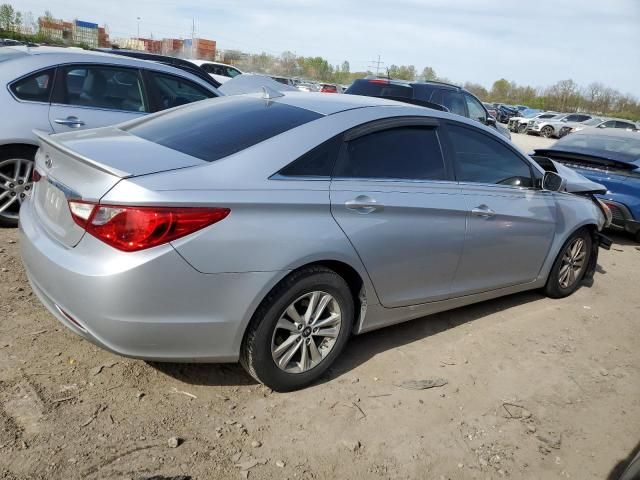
(378, 80)
(130, 228)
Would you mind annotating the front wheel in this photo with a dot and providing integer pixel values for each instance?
(570, 265)
(299, 329)
(16, 166)
(547, 132)
(522, 129)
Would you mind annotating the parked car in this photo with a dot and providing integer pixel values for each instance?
(550, 128)
(600, 123)
(611, 157)
(176, 62)
(329, 88)
(308, 87)
(91, 89)
(491, 109)
(454, 98)
(519, 124)
(10, 42)
(286, 81)
(311, 219)
(505, 112)
(219, 71)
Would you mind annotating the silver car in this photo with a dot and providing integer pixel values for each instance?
(58, 90)
(551, 128)
(270, 228)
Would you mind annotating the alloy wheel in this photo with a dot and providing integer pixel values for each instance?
(547, 132)
(15, 185)
(306, 332)
(572, 262)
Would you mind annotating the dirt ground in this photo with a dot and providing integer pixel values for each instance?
(536, 389)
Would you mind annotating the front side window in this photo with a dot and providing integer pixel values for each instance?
(482, 159)
(170, 91)
(572, 118)
(34, 88)
(111, 88)
(476, 110)
(411, 153)
(232, 72)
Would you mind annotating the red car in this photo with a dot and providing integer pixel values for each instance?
(328, 88)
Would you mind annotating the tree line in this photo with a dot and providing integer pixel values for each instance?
(563, 96)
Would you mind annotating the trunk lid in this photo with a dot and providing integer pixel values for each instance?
(85, 166)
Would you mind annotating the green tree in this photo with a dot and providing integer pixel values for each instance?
(477, 89)
(500, 91)
(429, 73)
(7, 17)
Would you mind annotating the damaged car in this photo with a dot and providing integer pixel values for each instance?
(310, 218)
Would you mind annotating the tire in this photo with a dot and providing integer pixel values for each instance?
(522, 129)
(558, 285)
(265, 338)
(637, 236)
(13, 192)
(547, 132)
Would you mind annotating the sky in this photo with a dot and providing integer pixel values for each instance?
(531, 42)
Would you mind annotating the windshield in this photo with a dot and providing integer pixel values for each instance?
(619, 147)
(530, 113)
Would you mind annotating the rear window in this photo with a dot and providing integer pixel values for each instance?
(380, 88)
(214, 129)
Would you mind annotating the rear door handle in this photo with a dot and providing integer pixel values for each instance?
(73, 122)
(482, 211)
(363, 204)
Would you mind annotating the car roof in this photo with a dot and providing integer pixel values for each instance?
(28, 59)
(330, 104)
(609, 132)
(411, 83)
(210, 62)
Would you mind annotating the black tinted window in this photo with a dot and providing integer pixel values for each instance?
(171, 91)
(217, 128)
(482, 159)
(35, 88)
(451, 99)
(318, 162)
(573, 118)
(411, 153)
(380, 88)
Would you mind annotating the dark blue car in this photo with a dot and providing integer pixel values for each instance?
(610, 157)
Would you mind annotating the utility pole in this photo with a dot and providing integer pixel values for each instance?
(138, 27)
(193, 34)
(377, 64)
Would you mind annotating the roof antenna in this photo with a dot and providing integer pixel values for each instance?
(269, 93)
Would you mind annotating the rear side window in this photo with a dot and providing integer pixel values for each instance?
(218, 128)
(171, 91)
(482, 159)
(380, 88)
(451, 99)
(318, 162)
(411, 153)
(34, 88)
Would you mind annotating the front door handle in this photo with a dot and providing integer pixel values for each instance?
(482, 211)
(363, 204)
(73, 122)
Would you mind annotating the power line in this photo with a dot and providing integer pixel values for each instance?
(377, 64)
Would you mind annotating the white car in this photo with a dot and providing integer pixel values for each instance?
(606, 123)
(519, 124)
(57, 90)
(219, 71)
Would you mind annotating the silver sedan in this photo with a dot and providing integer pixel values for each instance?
(270, 228)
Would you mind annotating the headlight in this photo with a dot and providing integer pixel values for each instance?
(607, 212)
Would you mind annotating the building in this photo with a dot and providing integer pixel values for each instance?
(103, 38)
(130, 43)
(85, 33)
(151, 45)
(55, 30)
(171, 46)
(200, 48)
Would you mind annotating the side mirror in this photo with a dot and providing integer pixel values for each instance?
(553, 182)
(491, 121)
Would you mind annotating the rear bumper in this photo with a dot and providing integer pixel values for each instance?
(622, 217)
(150, 304)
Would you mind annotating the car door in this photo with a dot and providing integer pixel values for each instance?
(510, 223)
(94, 95)
(393, 196)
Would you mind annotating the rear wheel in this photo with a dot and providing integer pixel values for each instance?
(570, 265)
(547, 132)
(16, 166)
(299, 329)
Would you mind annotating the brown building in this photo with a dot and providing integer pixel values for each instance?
(204, 49)
(103, 38)
(171, 46)
(151, 45)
